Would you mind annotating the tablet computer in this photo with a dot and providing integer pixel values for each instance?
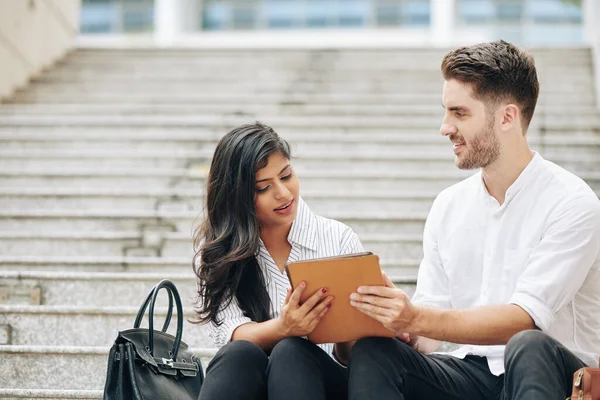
(341, 275)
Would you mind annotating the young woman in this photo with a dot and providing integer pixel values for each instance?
(256, 222)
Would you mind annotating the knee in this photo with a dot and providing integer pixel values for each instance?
(243, 353)
(290, 348)
(373, 348)
(527, 342)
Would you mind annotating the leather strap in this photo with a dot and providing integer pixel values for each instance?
(142, 311)
(169, 287)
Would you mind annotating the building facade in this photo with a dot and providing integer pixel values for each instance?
(527, 22)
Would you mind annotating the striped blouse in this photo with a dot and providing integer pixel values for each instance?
(311, 236)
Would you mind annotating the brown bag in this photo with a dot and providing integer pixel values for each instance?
(586, 384)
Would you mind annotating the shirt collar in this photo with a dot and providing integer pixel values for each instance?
(522, 180)
(304, 229)
(526, 176)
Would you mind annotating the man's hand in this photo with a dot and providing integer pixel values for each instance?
(388, 305)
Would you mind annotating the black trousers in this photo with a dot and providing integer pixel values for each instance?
(295, 370)
(537, 368)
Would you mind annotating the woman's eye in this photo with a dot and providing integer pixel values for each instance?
(285, 178)
(260, 190)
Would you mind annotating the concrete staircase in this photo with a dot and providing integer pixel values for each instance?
(103, 162)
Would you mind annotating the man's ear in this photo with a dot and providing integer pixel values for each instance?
(510, 117)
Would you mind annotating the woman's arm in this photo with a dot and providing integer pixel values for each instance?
(295, 319)
(264, 334)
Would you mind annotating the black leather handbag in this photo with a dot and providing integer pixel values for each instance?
(146, 364)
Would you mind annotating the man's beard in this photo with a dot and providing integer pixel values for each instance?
(482, 150)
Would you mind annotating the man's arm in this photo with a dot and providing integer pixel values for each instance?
(554, 273)
(489, 325)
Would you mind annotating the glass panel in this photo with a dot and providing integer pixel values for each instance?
(243, 18)
(117, 16)
(527, 22)
(257, 14)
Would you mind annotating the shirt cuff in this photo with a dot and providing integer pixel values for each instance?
(541, 314)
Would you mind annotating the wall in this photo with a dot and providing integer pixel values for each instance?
(34, 34)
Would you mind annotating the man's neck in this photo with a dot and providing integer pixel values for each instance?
(499, 176)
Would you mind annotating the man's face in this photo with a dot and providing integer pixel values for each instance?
(469, 127)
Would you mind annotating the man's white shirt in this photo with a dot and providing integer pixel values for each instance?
(539, 250)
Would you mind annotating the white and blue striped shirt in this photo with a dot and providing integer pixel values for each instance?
(311, 236)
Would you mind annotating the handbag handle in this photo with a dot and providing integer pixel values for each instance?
(142, 310)
(169, 287)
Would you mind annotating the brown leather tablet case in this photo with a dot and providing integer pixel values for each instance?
(341, 276)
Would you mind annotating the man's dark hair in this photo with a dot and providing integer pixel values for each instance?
(497, 72)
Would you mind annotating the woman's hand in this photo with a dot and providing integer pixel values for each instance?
(298, 319)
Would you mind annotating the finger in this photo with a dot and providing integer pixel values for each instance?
(379, 311)
(316, 311)
(288, 295)
(381, 291)
(405, 337)
(376, 317)
(313, 300)
(295, 297)
(387, 281)
(382, 302)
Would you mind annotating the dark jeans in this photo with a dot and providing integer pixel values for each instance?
(300, 370)
(296, 369)
(537, 368)
(238, 371)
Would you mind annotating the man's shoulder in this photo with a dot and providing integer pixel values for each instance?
(558, 179)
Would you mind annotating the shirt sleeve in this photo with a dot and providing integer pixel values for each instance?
(432, 281)
(350, 243)
(558, 265)
(231, 317)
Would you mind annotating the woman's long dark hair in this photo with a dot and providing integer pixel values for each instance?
(227, 241)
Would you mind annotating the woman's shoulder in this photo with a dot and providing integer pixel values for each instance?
(329, 226)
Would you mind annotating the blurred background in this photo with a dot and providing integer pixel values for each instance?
(528, 22)
(110, 112)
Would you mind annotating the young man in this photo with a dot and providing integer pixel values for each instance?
(512, 258)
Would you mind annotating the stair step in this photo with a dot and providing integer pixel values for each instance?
(50, 394)
(401, 270)
(108, 289)
(159, 242)
(184, 221)
(91, 325)
(126, 198)
(195, 179)
(61, 367)
(266, 109)
(586, 98)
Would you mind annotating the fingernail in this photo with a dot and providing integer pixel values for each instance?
(324, 290)
(328, 305)
(302, 284)
(354, 296)
(330, 298)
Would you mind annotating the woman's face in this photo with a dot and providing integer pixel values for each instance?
(276, 192)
